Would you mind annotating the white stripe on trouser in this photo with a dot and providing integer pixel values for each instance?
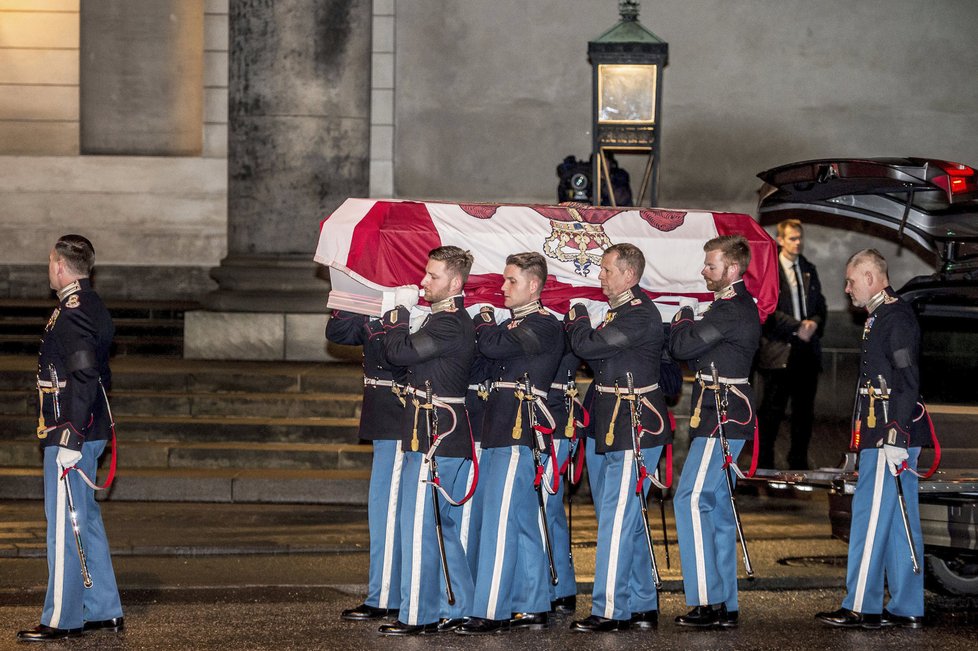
(694, 502)
(59, 554)
(624, 486)
(504, 508)
(389, 538)
(463, 533)
(874, 514)
(417, 536)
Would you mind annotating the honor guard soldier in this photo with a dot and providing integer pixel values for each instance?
(512, 584)
(380, 416)
(725, 339)
(885, 539)
(475, 404)
(566, 407)
(436, 582)
(75, 426)
(630, 428)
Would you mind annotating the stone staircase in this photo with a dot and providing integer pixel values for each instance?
(142, 327)
(208, 431)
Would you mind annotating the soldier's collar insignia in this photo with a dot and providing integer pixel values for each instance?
(529, 308)
(725, 293)
(73, 301)
(619, 300)
(444, 305)
(68, 290)
(53, 319)
(876, 301)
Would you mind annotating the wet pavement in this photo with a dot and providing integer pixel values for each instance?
(239, 576)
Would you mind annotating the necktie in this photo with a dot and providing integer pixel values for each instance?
(803, 309)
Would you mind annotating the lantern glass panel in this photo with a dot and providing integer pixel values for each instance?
(626, 93)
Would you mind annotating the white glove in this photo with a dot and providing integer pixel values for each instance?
(406, 296)
(68, 457)
(895, 456)
(686, 301)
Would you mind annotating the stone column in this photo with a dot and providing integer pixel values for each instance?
(141, 71)
(298, 146)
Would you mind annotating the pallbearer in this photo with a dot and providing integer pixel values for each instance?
(889, 445)
(380, 418)
(435, 435)
(726, 337)
(513, 580)
(627, 344)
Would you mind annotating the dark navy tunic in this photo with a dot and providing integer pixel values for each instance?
(630, 339)
(531, 345)
(728, 336)
(382, 410)
(76, 344)
(440, 352)
(890, 348)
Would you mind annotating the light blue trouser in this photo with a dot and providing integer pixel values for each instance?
(68, 604)
(878, 542)
(513, 574)
(706, 527)
(471, 520)
(594, 462)
(623, 582)
(423, 599)
(384, 575)
(557, 526)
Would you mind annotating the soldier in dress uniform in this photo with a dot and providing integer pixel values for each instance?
(512, 583)
(438, 357)
(889, 445)
(380, 416)
(75, 426)
(628, 343)
(727, 337)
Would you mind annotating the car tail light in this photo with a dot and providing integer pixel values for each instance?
(957, 179)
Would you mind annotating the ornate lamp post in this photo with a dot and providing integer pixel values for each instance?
(627, 63)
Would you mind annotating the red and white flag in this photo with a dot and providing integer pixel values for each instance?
(372, 246)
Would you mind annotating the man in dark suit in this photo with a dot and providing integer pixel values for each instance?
(790, 357)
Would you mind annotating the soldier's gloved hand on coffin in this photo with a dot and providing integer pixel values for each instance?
(486, 316)
(68, 457)
(576, 311)
(406, 296)
(691, 303)
(895, 456)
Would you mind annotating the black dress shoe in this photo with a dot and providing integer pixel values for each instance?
(448, 625)
(42, 633)
(400, 628)
(905, 621)
(595, 624)
(728, 618)
(845, 618)
(647, 619)
(363, 612)
(482, 626)
(565, 605)
(114, 625)
(532, 621)
(700, 617)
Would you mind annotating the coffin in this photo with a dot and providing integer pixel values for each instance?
(372, 246)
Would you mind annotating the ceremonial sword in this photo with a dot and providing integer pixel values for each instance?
(86, 576)
(885, 394)
(725, 447)
(639, 467)
(432, 423)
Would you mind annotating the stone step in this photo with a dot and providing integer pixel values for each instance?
(252, 429)
(213, 455)
(196, 376)
(172, 403)
(209, 485)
